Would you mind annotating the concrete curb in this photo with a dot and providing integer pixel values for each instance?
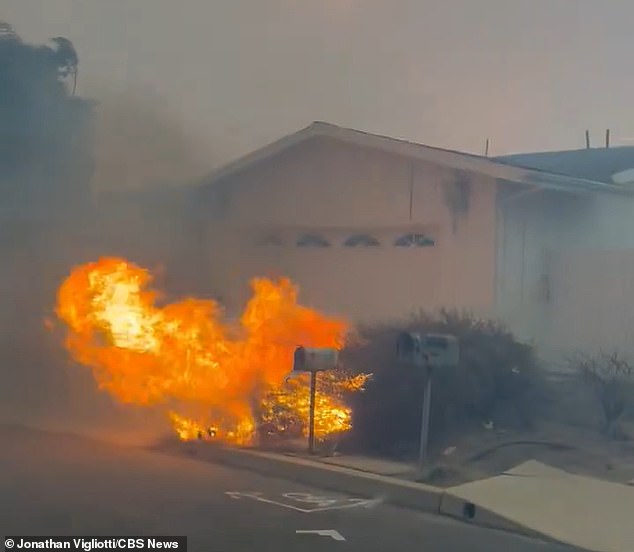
(408, 494)
(398, 492)
(460, 508)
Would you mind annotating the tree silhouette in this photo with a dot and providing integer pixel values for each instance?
(66, 59)
(35, 84)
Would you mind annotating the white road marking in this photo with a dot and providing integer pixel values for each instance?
(323, 533)
(321, 503)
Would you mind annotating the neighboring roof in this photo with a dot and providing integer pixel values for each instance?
(456, 159)
(598, 164)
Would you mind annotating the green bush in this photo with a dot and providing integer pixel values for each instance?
(497, 379)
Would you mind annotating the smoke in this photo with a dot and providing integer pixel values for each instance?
(35, 153)
(140, 143)
(59, 156)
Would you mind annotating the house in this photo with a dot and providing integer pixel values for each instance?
(373, 228)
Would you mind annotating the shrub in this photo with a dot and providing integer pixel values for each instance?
(497, 377)
(610, 378)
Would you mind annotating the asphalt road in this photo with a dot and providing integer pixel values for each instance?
(59, 484)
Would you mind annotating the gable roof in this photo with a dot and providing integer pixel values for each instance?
(599, 164)
(459, 160)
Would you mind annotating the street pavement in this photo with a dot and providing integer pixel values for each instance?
(61, 484)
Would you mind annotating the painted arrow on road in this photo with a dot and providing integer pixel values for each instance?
(333, 533)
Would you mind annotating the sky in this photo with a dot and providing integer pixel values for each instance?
(530, 75)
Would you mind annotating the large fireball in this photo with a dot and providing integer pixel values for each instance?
(213, 378)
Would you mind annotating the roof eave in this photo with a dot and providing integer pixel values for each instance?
(570, 184)
(454, 159)
(260, 154)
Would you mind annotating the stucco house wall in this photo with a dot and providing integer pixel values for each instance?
(336, 190)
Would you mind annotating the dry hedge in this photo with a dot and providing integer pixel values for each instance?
(498, 379)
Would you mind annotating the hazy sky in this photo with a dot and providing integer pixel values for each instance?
(528, 74)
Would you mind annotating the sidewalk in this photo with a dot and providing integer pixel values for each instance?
(573, 509)
(370, 465)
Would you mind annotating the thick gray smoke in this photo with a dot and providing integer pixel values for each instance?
(40, 171)
(140, 144)
(56, 149)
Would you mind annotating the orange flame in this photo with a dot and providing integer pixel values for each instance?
(185, 357)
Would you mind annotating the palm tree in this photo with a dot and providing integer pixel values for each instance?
(65, 56)
(34, 87)
(6, 31)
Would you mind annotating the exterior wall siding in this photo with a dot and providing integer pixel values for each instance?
(565, 270)
(533, 225)
(593, 301)
(593, 281)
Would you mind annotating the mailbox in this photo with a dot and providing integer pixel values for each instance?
(409, 347)
(433, 350)
(441, 350)
(308, 359)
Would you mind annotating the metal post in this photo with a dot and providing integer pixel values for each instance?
(424, 429)
(311, 421)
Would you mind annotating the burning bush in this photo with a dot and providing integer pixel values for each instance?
(496, 378)
(217, 380)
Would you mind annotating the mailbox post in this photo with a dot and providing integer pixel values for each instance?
(427, 352)
(314, 360)
(424, 424)
(311, 413)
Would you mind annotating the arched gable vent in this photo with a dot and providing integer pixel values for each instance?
(414, 240)
(361, 240)
(312, 240)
